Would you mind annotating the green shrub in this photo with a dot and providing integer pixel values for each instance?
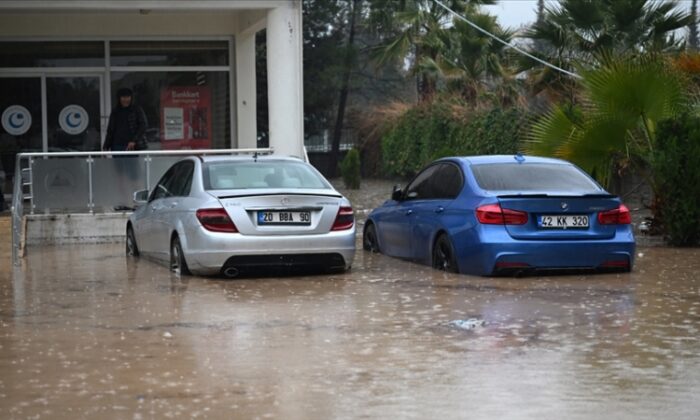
(676, 165)
(350, 169)
(428, 132)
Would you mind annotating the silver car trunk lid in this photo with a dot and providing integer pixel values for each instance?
(302, 213)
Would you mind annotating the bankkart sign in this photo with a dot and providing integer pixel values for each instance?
(16, 120)
(185, 115)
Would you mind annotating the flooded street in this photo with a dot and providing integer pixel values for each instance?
(88, 333)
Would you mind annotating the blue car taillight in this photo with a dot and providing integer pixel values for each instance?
(216, 220)
(618, 216)
(493, 214)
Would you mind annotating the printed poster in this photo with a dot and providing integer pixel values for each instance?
(185, 117)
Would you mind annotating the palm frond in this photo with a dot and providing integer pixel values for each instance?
(395, 49)
(551, 132)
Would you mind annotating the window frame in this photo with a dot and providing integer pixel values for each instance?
(162, 182)
(461, 179)
(107, 69)
(182, 190)
(435, 167)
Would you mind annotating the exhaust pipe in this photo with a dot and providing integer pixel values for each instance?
(231, 272)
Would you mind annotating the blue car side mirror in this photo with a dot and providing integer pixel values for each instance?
(396, 193)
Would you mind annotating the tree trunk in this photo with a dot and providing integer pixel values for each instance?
(344, 88)
(538, 43)
(693, 38)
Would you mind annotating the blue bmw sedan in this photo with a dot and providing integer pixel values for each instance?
(503, 215)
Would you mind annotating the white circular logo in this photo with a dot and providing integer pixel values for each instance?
(16, 120)
(73, 119)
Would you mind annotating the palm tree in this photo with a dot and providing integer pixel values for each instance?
(693, 27)
(474, 63)
(420, 30)
(577, 32)
(624, 100)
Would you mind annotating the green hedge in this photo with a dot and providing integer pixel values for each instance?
(425, 133)
(676, 165)
(350, 169)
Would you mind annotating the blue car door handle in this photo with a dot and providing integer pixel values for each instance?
(440, 209)
(409, 212)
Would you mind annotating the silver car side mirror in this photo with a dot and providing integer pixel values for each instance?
(141, 197)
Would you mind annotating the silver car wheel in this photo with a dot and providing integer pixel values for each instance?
(132, 249)
(177, 258)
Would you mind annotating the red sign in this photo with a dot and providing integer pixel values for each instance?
(185, 115)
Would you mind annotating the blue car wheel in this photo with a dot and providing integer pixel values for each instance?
(444, 255)
(369, 238)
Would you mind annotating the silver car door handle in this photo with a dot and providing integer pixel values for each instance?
(409, 212)
(440, 209)
(173, 205)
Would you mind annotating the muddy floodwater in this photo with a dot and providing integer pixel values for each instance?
(86, 333)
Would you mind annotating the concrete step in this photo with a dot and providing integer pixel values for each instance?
(5, 238)
(75, 228)
(5, 226)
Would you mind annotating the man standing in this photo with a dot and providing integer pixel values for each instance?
(2, 197)
(127, 125)
(126, 132)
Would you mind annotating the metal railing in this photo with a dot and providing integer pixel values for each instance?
(65, 182)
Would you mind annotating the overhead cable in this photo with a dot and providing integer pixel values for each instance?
(507, 44)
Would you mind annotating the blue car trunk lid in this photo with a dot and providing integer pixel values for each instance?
(538, 205)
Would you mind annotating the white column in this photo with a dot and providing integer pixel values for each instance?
(285, 79)
(247, 127)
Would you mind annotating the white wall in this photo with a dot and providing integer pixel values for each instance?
(122, 24)
(194, 18)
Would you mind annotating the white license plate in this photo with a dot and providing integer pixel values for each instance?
(284, 218)
(562, 222)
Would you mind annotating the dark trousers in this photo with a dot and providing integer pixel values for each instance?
(2, 198)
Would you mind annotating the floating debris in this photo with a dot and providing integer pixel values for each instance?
(467, 324)
(645, 226)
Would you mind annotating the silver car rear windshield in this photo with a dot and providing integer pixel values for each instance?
(261, 175)
(540, 177)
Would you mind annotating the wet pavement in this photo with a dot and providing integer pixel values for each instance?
(88, 333)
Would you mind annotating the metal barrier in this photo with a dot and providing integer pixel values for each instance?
(72, 182)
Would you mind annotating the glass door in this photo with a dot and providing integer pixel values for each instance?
(20, 117)
(73, 111)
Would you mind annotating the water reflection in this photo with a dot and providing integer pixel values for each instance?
(85, 332)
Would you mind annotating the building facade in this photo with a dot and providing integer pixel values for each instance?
(191, 65)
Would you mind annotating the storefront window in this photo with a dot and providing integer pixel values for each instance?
(73, 113)
(52, 54)
(185, 110)
(169, 53)
(20, 112)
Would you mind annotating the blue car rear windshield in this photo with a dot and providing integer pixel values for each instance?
(530, 177)
(261, 174)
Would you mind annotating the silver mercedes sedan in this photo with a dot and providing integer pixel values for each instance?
(230, 214)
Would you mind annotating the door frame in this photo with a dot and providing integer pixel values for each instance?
(42, 82)
(101, 83)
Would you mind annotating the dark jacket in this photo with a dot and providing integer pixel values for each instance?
(134, 130)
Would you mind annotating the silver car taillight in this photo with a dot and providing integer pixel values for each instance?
(344, 220)
(216, 220)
